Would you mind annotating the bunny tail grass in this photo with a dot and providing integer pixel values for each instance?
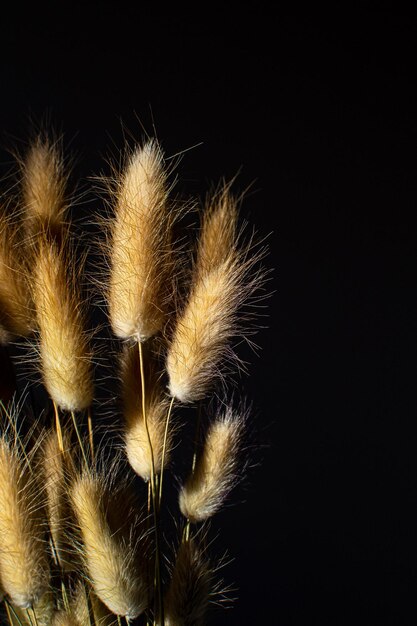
(56, 463)
(188, 595)
(43, 185)
(15, 302)
(136, 430)
(110, 561)
(24, 569)
(63, 346)
(216, 470)
(222, 283)
(140, 249)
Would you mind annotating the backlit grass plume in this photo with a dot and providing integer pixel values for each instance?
(220, 286)
(24, 569)
(83, 541)
(110, 560)
(144, 440)
(216, 470)
(63, 346)
(140, 254)
(16, 313)
(188, 595)
(43, 185)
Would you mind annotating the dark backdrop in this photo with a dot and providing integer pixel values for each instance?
(319, 112)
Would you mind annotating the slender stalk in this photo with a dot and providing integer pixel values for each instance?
(164, 449)
(90, 432)
(79, 438)
(58, 426)
(10, 610)
(158, 580)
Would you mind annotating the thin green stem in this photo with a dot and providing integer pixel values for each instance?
(10, 611)
(79, 438)
(164, 448)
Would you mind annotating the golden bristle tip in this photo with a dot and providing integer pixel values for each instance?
(16, 310)
(24, 569)
(110, 560)
(43, 184)
(143, 458)
(188, 596)
(224, 279)
(63, 344)
(140, 246)
(216, 470)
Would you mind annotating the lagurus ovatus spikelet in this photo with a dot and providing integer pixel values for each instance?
(216, 470)
(16, 311)
(63, 345)
(137, 432)
(43, 185)
(140, 249)
(188, 595)
(221, 283)
(110, 560)
(24, 570)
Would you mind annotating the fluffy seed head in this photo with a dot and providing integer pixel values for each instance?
(140, 247)
(188, 595)
(110, 561)
(43, 183)
(63, 347)
(216, 470)
(24, 570)
(156, 407)
(15, 302)
(221, 284)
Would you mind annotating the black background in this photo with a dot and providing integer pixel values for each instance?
(319, 112)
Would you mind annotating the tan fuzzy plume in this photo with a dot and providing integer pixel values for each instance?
(216, 470)
(140, 254)
(188, 595)
(66, 618)
(15, 303)
(56, 464)
(43, 185)
(24, 569)
(136, 430)
(110, 560)
(40, 614)
(221, 284)
(63, 346)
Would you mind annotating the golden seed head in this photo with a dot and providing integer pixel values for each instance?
(110, 560)
(140, 248)
(63, 346)
(24, 569)
(216, 470)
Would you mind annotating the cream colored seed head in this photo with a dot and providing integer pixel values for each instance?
(66, 618)
(188, 595)
(24, 569)
(208, 320)
(15, 302)
(44, 184)
(136, 438)
(216, 469)
(110, 563)
(201, 333)
(140, 247)
(65, 357)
